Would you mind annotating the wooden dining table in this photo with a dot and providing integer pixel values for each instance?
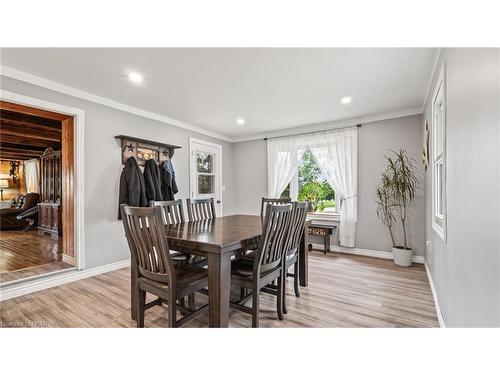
(219, 240)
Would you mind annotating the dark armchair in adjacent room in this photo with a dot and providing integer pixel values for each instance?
(9, 216)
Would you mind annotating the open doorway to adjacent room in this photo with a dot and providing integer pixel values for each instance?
(37, 192)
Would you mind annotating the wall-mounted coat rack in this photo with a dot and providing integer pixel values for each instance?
(143, 150)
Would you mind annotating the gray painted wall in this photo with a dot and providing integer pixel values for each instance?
(104, 237)
(250, 175)
(374, 139)
(466, 269)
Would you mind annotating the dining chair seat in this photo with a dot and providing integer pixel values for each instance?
(250, 255)
(180, 257)
(243, 269)
(188, 278)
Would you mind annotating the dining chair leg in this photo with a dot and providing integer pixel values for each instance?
(242, 292)
(141, 302)
(296, 278)
(283, 290)
(191, 304)
(279, 299)
(172, 311)
(255, 307)
(182, 302)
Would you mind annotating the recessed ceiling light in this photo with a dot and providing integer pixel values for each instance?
(135, 77)
(240, 121)
(346, 100)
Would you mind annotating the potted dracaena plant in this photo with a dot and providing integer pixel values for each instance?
(393, 197)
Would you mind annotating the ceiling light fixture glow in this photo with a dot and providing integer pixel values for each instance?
(240, 121)
(135, 77)
(346, 100)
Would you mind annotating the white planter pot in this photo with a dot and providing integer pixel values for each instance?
(402, 257)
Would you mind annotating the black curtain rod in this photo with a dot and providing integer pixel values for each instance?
(313, 132)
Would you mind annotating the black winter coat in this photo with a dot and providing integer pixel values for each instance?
(132, 186)
(168, 184)
(152, 178)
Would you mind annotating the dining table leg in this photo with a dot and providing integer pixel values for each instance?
(219, 289)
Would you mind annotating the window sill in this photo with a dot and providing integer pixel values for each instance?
(321, 217)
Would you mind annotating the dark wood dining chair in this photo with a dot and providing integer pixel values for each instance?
(249, 248)
(273, 201)
(200, 209)
(171, 211)
(157, 273)
(266, 265)
(263, 205)
(291, 257)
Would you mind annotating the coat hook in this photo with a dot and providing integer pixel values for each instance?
(130, 147)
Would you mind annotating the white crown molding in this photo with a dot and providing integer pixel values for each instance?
(68, 90)
(433, 71)
(331, 124)
(30, 286)
(434, 295)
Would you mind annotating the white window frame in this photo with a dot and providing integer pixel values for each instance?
(193, 180)
(197, 174)
(439, 219)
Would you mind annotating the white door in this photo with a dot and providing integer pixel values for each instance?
(206, 168)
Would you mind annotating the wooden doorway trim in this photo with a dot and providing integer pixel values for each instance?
(67, 171)
(72, 155)
(68, 192)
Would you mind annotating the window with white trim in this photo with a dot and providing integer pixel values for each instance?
(205, 173)
(438, 161)
(308, 184)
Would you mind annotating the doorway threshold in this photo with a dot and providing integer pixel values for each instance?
(21, 280)
(46, 281)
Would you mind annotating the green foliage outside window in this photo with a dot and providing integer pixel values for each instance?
(312, 186)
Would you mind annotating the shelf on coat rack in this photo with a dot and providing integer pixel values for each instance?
(143, 149)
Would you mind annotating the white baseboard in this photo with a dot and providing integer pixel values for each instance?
(434, 294)
(369, 253)
(31, 286)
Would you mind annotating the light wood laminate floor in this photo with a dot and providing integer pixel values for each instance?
(344, 291)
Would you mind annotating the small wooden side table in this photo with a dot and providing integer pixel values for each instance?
(322, 230)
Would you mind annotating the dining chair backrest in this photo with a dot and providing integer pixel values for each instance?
(200, 209)
(273, 239)
(171, 211)
(296, 228)
(272, 201)
(148, 244)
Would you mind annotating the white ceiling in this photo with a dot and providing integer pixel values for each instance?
(271, 88)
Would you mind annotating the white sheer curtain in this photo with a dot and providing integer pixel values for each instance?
(282, 164)
(31, 175)
(336, 154)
